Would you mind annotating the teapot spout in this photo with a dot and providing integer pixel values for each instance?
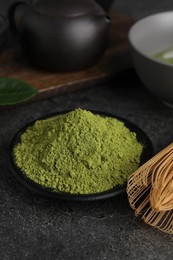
(108, 19)
(16, 12)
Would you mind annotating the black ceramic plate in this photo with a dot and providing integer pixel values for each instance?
(38, 189)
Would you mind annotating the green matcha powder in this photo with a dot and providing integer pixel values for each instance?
(78, 152)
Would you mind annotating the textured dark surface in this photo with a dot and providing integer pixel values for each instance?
(37, 228)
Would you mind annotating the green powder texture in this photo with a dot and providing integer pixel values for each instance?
(78, 152)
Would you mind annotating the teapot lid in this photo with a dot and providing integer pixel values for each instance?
(67, 8)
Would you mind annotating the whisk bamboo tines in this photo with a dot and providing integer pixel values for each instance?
(150, 190)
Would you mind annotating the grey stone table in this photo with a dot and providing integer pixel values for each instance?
(37, 228)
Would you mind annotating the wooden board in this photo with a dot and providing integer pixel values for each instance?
(115, 60)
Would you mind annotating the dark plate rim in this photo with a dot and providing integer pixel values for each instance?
(148, 152)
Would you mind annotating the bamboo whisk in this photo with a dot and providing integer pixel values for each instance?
(150, 190)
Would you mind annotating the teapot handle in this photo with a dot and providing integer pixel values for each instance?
(15, 13)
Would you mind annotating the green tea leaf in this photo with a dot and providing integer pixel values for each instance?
(13, 91)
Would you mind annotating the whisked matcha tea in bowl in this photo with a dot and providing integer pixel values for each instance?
(151, 43)
(78, 155)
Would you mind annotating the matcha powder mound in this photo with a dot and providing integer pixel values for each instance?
(78, 152)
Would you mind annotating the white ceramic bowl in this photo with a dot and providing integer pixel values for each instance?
(148, 37)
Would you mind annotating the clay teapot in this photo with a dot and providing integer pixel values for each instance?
(61, 35)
